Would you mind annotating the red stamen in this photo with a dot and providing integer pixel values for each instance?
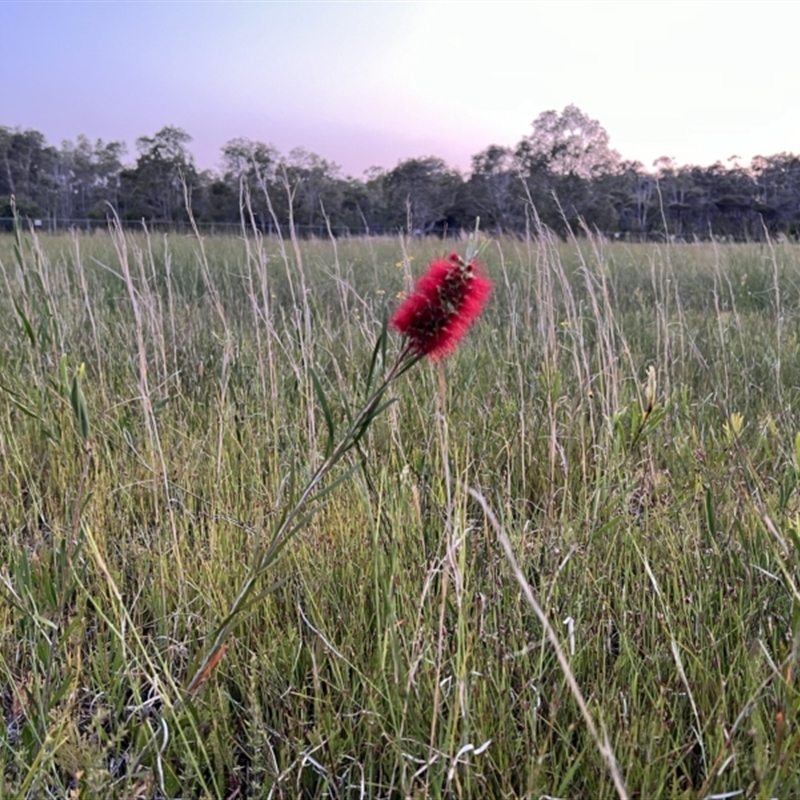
(445, 302)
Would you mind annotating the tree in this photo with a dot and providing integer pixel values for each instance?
(88, 177)
(315, 185)
(562, 160)
(28, 167)
(777, 181)
(494, 189)
(154, 188)
(421, 193)
(569, 143)
(632, 193)
(251, 167)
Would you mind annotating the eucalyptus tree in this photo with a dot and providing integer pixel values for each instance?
(569, 143)
(154, 188)
(495, 190)
(88, 177)
(777, 180)
(250, 170)
(28, 167)
(559, 159)
(316, 188)
(421, 194)
(632, 193)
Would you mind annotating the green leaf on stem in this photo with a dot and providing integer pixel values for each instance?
(26, 324)
(378, 353)
(78, 401)
(326, 411)
(369, 420)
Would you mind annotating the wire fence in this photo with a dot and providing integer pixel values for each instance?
(63, 225)
(56, 225)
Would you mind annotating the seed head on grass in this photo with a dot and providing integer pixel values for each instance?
(445, 302)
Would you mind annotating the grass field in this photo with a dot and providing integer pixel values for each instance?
(628, 413)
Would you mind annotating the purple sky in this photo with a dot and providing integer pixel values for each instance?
(366, 84)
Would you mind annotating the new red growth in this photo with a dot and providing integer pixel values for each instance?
(446, 300)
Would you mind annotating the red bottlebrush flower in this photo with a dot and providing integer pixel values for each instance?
(446, 300)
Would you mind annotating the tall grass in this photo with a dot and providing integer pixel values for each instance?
(626, 414)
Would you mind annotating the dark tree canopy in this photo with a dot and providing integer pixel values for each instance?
(563, 174)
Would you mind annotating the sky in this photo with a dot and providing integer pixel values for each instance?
(368, 84)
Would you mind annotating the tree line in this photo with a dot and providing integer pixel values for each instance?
(564, 174)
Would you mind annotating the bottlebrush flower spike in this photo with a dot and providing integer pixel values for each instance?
(446, 300)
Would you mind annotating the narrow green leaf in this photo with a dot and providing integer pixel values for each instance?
(281, 537)
(26, 324)
(378, 354)
(369, 420)
(9, 390)
(797, 452)
(794, 535)
(264, 593)
(78, 401)
(711, 519)
(62, 373)
(160, 405)
(25, 410)
(320, 500)
(601, 532)
(326, 411)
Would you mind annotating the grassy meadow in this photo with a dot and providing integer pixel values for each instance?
(626, 414)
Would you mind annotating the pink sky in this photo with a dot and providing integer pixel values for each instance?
(366, 84)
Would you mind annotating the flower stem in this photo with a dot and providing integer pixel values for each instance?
(288, 527)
